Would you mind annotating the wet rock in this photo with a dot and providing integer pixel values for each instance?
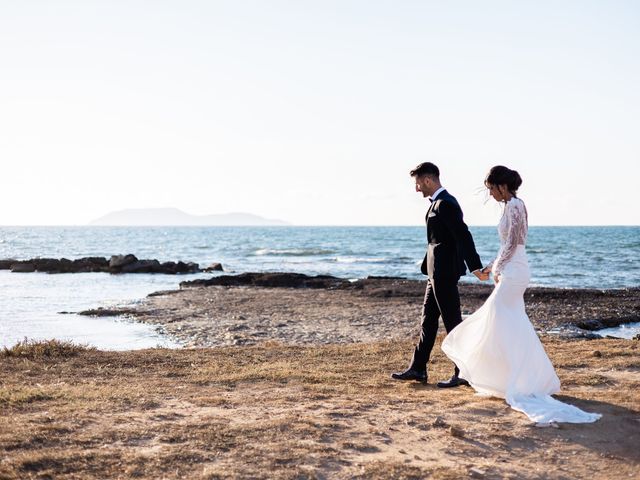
(107, 312)
(6, 263)
(179, 267)
(214, 267)
(161, 293)
(282, 280)
(116, 262)
(606, 322)
(53, 265)
(62, 265)
(49, 264)
(90, 264)
(142, 266)
(23, 267)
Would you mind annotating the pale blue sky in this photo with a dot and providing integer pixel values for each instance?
(314, 111)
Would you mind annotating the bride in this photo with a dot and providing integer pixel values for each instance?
(496, 348)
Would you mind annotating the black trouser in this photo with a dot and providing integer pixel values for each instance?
(440, 299)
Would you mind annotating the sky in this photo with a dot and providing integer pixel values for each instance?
(313, 112)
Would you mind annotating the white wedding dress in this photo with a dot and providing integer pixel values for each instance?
(497, 349)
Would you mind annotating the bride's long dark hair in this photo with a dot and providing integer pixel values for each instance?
(500, 175)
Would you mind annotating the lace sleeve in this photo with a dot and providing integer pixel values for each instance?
(516, 234)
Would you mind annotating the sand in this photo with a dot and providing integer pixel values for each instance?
(294, 383)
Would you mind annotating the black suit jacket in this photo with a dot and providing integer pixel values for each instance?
(450, 242)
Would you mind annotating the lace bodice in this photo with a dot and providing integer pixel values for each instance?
(512, 229)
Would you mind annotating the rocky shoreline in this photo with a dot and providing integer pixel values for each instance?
(251, 308)
(116, 264)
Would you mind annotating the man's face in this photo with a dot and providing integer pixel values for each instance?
(423, 185)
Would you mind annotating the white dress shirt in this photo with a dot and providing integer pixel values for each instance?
(436, 193)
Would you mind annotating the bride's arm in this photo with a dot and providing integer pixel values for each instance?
(516, 224)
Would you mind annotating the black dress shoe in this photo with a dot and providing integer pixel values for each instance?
(453, 382)
(410, 374)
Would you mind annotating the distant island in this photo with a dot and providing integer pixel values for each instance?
(176, 217)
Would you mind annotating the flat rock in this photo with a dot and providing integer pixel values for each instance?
(5, 264)
(214, 267)
(142, 266)
(107, 312)
(23, 267)
(281, 280)
(116, 262)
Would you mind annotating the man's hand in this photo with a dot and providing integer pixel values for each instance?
(481, 274)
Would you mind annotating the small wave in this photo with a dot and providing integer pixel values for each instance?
(291, 252)
(359, 260)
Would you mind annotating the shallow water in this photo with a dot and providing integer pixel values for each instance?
(31, 304)
(559, 257)
(627, 331)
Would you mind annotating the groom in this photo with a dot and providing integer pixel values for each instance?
(450, 247)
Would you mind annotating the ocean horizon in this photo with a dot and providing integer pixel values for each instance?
(601, 257)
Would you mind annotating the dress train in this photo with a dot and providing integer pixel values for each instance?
(499, 353)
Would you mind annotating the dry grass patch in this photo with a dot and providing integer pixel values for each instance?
(18, 396)
(34, 349)
(277, 411)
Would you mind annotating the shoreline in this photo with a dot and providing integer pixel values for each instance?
(294, 383)
(251, 308)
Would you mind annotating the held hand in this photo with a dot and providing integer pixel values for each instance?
(496, 279)
(481, 275)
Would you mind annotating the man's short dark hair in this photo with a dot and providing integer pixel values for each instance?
(425, 168)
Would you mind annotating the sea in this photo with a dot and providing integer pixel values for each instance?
(42, 306)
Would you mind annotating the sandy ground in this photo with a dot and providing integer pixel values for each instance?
(294, 383)
(277, 411)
